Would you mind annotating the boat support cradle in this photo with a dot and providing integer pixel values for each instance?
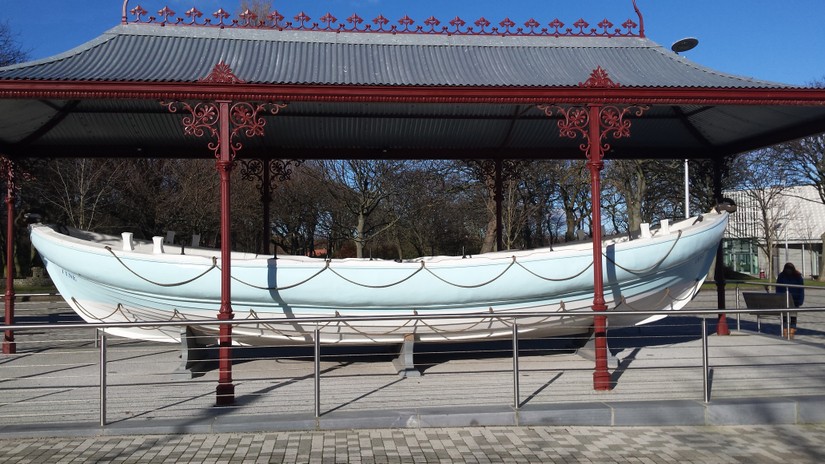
(404, 364)
(193, 352)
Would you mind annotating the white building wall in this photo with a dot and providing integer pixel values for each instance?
(799, 218)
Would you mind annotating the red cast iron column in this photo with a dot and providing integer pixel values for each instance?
(9, 345)
(224, 121)
(266, 196)
(267, 171)
(593, 123)
(601, 376)
(225, 390)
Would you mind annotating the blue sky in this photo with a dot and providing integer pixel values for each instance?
(776, 40)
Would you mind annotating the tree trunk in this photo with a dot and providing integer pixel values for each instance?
(489, 243)
(570, 219)
(359, 238)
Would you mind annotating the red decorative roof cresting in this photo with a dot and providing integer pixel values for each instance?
(380, 24)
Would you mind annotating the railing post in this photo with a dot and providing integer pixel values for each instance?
(516, 396)
(317, 373)
(102, 377)
(786, 321)
(738, 316)
(705, 367)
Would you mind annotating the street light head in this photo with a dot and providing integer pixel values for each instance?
(683, 45)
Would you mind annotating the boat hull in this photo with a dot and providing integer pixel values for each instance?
(103, 282)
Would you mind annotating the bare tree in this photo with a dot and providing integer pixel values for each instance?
(10, 50)
(651, 189)
(299, 207)
(538, 195)
(763, 185)
(362, 187)
(701, 181)
(806, 229)
(805, 160)
(574, 196)
(193, 206)
(148, 188)
(79, 192)
(484, 171)
(436, 210)
(629, 179)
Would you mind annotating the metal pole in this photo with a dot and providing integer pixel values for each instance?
(601, 375)
(738, 322)
(9, 345)
(102, 377)
(705, 372)
(225, 391)
(786, 320)
(317, 372)
(266, 194)
(516, 395)
(719, 272)
(802, 258)
(786, 324)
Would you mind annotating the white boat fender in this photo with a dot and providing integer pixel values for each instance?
(664, 227)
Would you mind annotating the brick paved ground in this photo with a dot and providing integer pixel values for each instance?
(740, 444)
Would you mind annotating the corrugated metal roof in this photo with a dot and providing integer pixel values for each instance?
(149, 53)
(431, 127)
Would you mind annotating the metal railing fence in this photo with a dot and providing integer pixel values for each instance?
(52, 377)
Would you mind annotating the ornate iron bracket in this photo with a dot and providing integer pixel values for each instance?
(576, 120)
(245, 119)
(271, 171)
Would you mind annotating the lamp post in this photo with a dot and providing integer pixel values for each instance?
(683, 45)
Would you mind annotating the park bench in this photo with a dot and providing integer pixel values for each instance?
(764, 300)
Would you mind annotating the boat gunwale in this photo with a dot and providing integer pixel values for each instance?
(206, 256)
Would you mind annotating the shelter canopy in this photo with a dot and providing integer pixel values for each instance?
(448, 92)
